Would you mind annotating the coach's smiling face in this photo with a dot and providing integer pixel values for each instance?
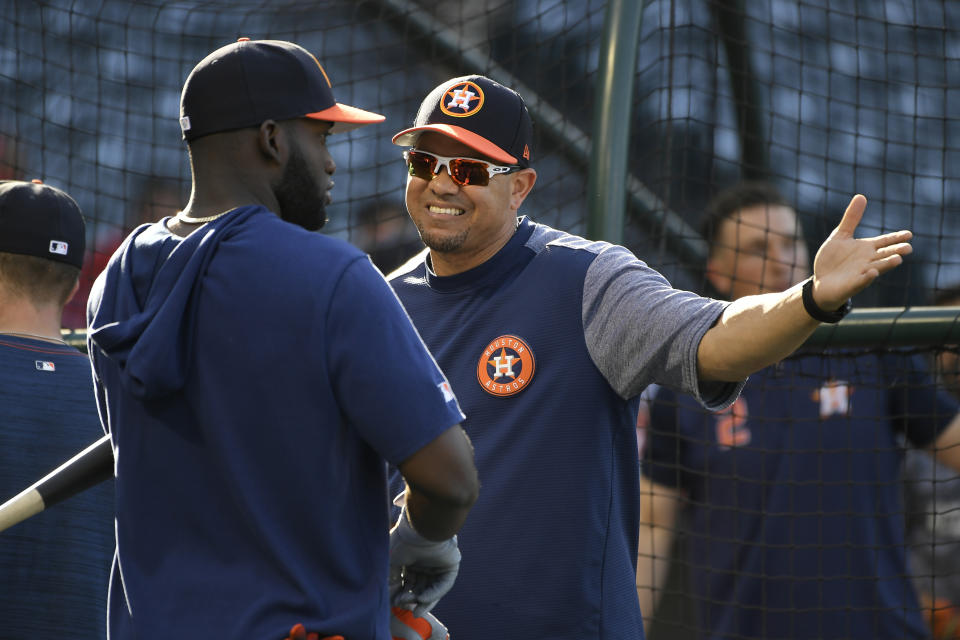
(464, 226)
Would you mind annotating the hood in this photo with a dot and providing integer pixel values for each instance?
(141, 310)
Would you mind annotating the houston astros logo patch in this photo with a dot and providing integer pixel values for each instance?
(506, 366)
(462, 100)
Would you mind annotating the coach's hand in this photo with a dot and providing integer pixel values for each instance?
(421, 570)
(845, 265)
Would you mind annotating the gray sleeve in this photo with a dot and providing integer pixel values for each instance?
(640, 330)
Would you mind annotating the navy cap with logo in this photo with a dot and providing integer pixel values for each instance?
(42, 221)
(250, 81)
(479, 112)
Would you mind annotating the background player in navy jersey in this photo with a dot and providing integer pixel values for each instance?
(254, 377)
(53, 567)
(548, 340)
(932, 497)
(796, 520)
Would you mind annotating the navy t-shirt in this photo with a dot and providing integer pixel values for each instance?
(255, 379)
(796, 517)
(53, 566)
(547, 346)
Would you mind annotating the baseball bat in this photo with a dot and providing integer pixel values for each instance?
(91, 466)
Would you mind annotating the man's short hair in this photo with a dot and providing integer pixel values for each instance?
(38, 279)
(731, 200)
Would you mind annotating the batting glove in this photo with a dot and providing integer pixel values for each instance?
(421, 570)
(405, 626)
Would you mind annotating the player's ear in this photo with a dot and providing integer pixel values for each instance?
(271, 141)
(521, 183)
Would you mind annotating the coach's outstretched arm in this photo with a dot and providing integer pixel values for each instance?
(757, 331)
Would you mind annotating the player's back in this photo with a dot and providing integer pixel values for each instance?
(54, 566)
(229, 428)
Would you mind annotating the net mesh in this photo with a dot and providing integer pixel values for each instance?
(823, 98)
(787, 514)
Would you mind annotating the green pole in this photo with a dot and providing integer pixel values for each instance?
(879, 327)
(553, 124)
(884, 327)
(607, 183)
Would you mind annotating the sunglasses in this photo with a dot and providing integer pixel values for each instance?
(463, 171)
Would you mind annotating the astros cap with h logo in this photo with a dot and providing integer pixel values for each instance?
(479, 112)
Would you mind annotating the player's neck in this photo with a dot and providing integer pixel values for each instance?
(25, 320)
(450, 263)
(215, 199)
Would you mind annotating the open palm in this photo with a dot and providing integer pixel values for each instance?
(845, 265)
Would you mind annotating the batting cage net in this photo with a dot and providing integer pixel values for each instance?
(789, 502)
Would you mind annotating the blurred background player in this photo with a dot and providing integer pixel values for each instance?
(548, 340)
(54, 567)
(932, 502)
(254, 376)
(796, 526)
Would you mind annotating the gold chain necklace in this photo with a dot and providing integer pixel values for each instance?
(189, 220)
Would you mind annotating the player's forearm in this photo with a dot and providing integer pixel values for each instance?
(752, 333)
(653, 561)
(437, 518)
(442, 484)
(659, 509)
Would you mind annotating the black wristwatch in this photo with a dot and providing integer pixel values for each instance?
(820, 314)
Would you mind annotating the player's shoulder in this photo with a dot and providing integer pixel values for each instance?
(566, 247)
(276, 236)
(544, 236)
(40, 370)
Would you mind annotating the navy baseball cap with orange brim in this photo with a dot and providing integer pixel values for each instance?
(479, 112)
(249, 81)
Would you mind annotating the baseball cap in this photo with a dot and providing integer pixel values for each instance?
(479, 112)
(42, 221)
(249, 81)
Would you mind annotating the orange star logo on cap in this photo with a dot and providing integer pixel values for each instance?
(462, 100)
